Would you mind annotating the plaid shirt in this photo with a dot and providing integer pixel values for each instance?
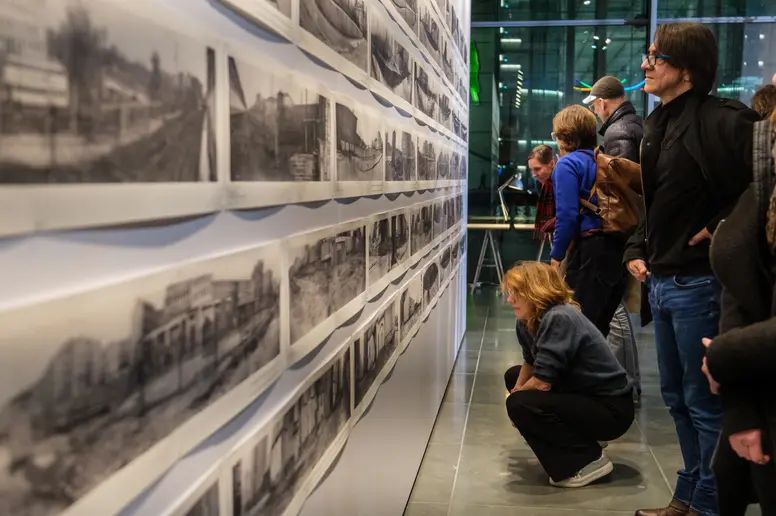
(545, 211)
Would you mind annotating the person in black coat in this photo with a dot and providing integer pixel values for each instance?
(622, 128)
(741, 361)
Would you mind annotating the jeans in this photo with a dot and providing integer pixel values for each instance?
(685, 310)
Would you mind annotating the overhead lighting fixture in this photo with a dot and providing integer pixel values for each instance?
(511, 40)
(596, 38)
(603, 47)
(760, 64)
(608, 40)
(510, 66)
(593, 46)
(762, 36)
(586, 2)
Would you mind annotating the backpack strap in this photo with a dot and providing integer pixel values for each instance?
(588, 203)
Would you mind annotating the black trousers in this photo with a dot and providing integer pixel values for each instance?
(741, 483)
(598, 277)
(563, 429)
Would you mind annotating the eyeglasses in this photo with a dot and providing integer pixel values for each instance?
(651, 59)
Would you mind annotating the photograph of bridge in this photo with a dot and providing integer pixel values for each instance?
(427, 159)
(391, 62)
(359, 145)
(341, 25)
(408, 10)
(279, 126)
(114, 371)
(87, 101)
(422, 227)
(373, 348)
(424, 96)
(400, 155)
(411, 306)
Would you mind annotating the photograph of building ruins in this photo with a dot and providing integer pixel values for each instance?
(424, 96)
(128, 374)
(411, 305)
(400, 234)
(208, 504)
(408, 10)
(373, 348)
(251, 480)
(427, 160)
(422, 228)
(341, 25)
(400, 156)
(359, 145)
(429, 30)
(87, 101)
(380, 249)
(443, 163)
(302, 435)
(430, 284)
(391, 62)
(325, 274)
(279, 129)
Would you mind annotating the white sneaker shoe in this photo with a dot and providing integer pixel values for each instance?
(595, 470)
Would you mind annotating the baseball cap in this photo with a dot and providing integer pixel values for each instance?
(607, 87)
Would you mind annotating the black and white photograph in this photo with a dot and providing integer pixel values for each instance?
(463, 167)
(445, 111)
(408, 10)
(373, 348)
(454, 250)
(425, 96)
(302, 435)
(427, 160)
(359, 145)
(457, 209)
(464, 131)
(429, 30)
(443, 163)
(448, 64)
(391, 63)
(279, 126)
(440, 218)
(327, 270)
(461, 81)
(251, 479)
(208, 504)
(104, 376)
(445, 263)
(422, 228)
(457, 124)
(400, 233)
(380, 249)
(462, 246)
(455, 166)
(411, 306)
(400, 155)
(341, 25)
(449, 205)
(430, 284)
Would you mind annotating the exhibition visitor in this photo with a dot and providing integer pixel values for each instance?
(622, 129)
(570, 393)
(541, 163)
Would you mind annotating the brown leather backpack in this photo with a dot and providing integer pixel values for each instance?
(619, 188)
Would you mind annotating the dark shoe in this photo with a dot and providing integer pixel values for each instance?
(675, 508)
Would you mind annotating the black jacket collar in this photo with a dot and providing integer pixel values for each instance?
(626, 108)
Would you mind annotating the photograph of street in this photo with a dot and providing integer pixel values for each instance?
(373, 348)
(400, 234)
(425, 94)
(408, 10)
(445, 111)
(444, 264)
(87, 101)
(359, 145)
(430, 284)
(422, 229)
(114, 371)
(380, 249)
(411, 303)
(208, 504)
(251, 480)
(327, 271)
(429, 30)
(400, 156)
(391, 62)
(440, 219)
(301, 436)
(427, 160)
(443, 163)
(279, 128)
(341, 25)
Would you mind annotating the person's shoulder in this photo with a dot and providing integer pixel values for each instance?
(564, 311)
(724, 108)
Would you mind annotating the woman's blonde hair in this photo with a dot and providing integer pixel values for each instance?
(575, 128)
(540, 285)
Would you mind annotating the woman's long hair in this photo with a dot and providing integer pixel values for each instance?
(540, 285)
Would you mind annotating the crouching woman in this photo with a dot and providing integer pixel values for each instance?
(571, 393)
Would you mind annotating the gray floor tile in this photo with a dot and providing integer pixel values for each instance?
(449, 425)
(434, 483)
(496, 362)
(489, 425)
(496, 510)
(489, 389)
(466, 363)
(459, 389)
(426, 509)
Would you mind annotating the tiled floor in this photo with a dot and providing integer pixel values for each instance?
(476, 463)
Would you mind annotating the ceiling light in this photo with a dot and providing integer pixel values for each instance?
(760, 64)
(762, 36)
(608, 40)
(594, 47)
(603, 47)
(586, 2)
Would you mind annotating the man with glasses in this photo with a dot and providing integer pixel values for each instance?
(696, 161)
(622, 127)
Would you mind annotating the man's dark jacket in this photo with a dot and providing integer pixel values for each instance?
(717, 133)
(622, 133)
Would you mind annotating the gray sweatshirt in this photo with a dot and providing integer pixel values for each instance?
(570, 354)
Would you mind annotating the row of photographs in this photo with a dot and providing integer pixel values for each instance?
(274, 469)
(136, 129)
(96, 386)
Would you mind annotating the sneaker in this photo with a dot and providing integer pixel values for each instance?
(587, 475)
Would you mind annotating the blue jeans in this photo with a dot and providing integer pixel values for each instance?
(685, 310)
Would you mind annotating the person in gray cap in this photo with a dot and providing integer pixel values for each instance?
(622, 128)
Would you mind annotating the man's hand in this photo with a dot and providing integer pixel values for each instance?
(748, 445)
(638, 269)
(704, 234)
(713, 384)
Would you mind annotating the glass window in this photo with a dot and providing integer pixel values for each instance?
(706, 8)
(537, 10)
(746, 59)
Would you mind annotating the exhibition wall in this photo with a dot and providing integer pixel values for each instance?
(223, 222)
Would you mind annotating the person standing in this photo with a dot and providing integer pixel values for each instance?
(622, 128)
(696, 161)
